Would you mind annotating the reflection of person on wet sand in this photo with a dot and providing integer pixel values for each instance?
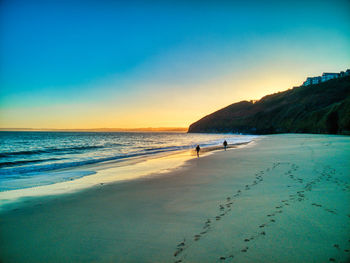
(197, 150)
(225, 144)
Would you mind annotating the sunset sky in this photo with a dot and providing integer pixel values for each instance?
(127, 64)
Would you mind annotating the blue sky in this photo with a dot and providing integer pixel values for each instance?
(91, 64)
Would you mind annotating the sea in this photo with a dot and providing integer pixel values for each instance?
(29, 159)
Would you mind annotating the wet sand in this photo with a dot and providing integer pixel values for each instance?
(284, 198)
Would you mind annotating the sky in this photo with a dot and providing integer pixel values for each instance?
(128, 64)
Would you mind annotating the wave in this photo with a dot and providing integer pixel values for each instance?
(203, 144)
(165, 148)
(49, 150)
(29, 170)
(21, 162)
(56, 166)
(21, 182)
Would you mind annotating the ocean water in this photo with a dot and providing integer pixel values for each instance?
(36, 158)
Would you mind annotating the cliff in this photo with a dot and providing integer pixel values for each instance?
(320, 108)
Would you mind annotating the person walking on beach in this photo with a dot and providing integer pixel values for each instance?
(225, 144)
(197, 150)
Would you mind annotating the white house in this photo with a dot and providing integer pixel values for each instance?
(325, 77)
(311, 81)
(328, 76)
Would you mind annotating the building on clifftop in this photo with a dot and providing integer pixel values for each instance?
(325, 77)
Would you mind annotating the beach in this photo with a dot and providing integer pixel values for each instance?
(281, 198)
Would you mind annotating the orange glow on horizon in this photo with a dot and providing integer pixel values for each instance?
(156, 108)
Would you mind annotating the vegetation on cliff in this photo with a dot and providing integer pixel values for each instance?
(320, 108)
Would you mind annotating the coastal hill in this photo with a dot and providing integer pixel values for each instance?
(321, 108)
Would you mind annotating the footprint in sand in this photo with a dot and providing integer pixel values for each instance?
(178, 251)
(330, 211)
(206, 225)
(224, 258)
(245, 249)
(182, 244)
(197, 237)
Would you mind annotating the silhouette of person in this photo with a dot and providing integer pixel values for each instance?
(225, 144)
(197, 150)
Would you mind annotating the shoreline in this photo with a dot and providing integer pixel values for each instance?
(284, 193)
(99, 174)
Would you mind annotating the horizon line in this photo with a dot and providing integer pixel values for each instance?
(144, 129)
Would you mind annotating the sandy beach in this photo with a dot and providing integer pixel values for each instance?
(283, 198)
